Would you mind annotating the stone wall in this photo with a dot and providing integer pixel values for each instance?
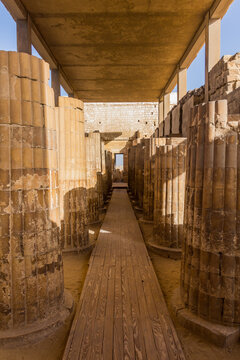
(224, 77)
(121, 120)
(224, 83)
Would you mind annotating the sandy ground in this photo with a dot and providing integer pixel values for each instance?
(168, 273)
(52, 347)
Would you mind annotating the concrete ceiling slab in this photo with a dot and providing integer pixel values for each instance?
(118, 50)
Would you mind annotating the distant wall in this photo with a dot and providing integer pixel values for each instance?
(121, 119)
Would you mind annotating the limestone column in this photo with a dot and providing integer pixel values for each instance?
(139, 169)
(148, 198)
(72, 174)
(31, 291)
(210, 262)
(131, 169)
(99, 168)
(169, 192)
(109, 167)
(92, 155)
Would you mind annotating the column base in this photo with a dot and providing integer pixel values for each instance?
(137, 208)
(220, 335)
(95, 222)
(163, 251)
(82, 249)
(146, 221)
(40, 329)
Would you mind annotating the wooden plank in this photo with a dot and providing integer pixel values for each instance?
(122, 312)
(139, 343)
(128, 342)
(98, 325)
(109, 314)
(77, 331)
(118, 312)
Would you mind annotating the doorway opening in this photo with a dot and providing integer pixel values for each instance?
(118, 167)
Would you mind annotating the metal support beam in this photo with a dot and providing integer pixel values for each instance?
(24, 43)
(212, 48)
(55, 75)
(181, 83)
(166, 105)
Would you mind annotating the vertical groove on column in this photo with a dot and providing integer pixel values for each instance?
(30, 256)
(72, 174)
(169, 191)
(210, 262)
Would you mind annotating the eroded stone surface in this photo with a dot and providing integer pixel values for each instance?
(31, 275)
(210, 263)
(169, 191)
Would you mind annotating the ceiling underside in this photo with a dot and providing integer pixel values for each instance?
(118, 50)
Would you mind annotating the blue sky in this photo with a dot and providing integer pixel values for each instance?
(230, 41)
(230, 44)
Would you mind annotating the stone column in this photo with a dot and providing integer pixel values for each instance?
(169, 192)
(131, 170)
(72, 174)
(139, 169)
(104, 173)
(210, 264)
(148, 197)
(31, 268)
(92, 156)
(109, 167)
(99, 168)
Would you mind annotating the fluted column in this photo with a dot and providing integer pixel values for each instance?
(72, 174)
(31, 265)
(210, 264)
(169, 192)
(93, 156)
(148, 197)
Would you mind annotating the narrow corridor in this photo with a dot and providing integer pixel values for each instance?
(122, 313)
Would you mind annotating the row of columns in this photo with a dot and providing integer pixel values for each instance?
(191, 196)
(45, 194)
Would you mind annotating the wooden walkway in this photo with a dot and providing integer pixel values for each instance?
(122, 312)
